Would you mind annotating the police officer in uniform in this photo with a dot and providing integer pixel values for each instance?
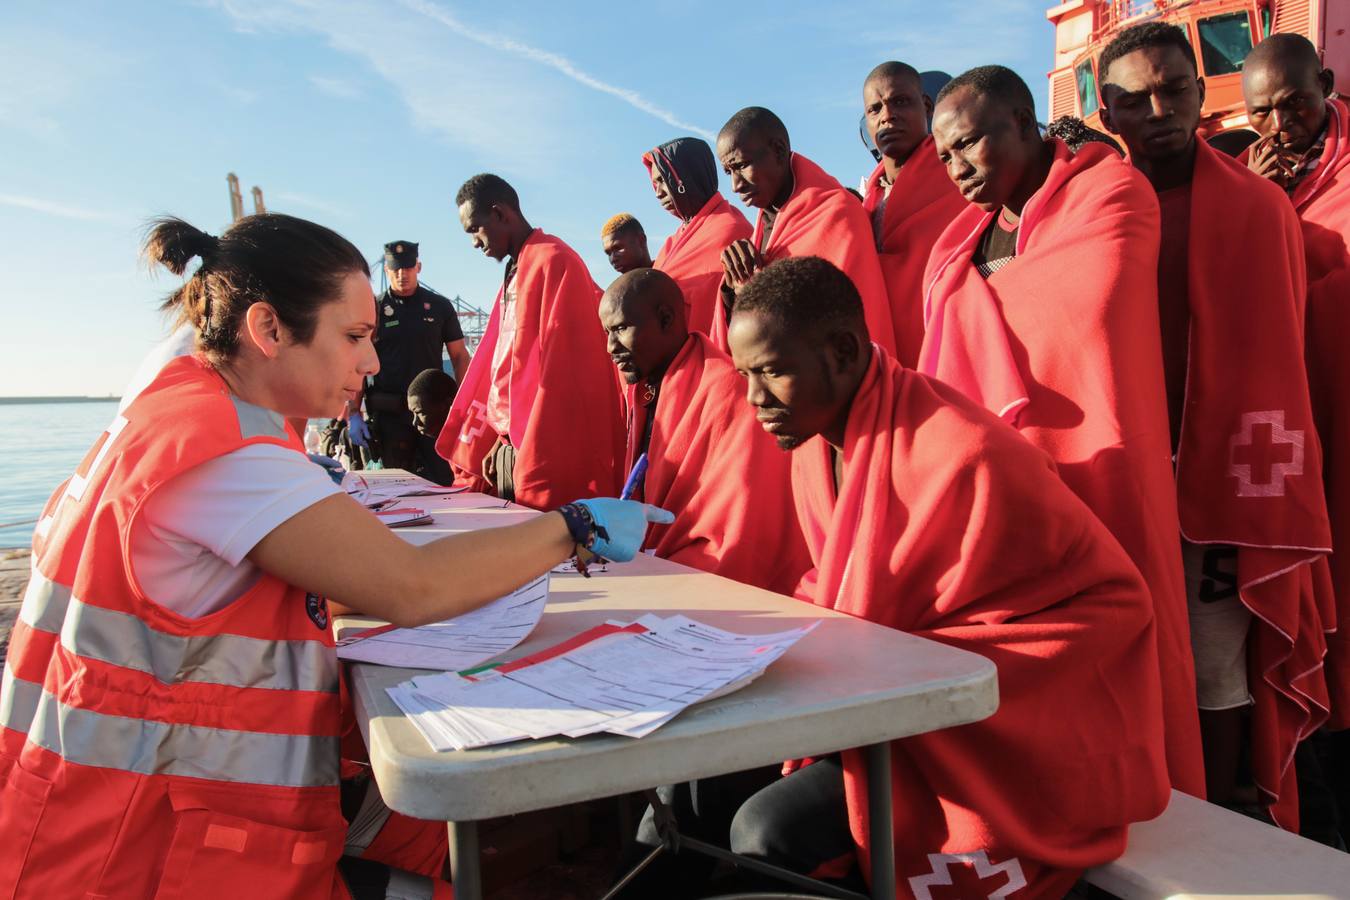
(413, 324)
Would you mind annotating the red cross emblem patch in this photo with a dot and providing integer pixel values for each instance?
(955, 870)
(477, 415)
(1263, 454)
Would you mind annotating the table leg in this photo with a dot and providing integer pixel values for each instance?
(465, 870)
(881, 824)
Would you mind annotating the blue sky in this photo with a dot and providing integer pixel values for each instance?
(366, 115)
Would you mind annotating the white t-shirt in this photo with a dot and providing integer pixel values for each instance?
(189, 543)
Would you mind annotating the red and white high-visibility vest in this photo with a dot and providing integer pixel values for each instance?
(144, 754)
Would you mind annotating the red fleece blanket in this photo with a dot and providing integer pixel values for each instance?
(822, 219)
(922, 203)
(693, 257)
(1249, 466)
(1323, 205)
(566, 411)
(711, 464)
(1064, 342)
(950, 526)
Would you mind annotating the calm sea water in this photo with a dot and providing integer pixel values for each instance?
(40, 445)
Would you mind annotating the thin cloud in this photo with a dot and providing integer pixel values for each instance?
(430, 79)
(60, 210)
(554, 61)
(242, 96)
(335, 87)
(43, 74)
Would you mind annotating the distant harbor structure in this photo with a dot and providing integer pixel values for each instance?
(472, 320)
(237, 198)
(66, 399)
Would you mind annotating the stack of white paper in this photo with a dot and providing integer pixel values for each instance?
(628, 682)
(458, 643)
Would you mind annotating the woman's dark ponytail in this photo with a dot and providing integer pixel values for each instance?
(292, 264)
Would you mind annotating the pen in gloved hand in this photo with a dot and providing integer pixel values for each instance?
(635, 478)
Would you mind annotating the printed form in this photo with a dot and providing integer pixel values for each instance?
(455, 644)
(629, 680)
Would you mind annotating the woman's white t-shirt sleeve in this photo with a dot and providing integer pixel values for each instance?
(191, 540)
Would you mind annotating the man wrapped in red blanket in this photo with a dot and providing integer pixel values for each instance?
(908, 195)
(706, 456)
(803, 211)
(538, 418)
(1306, 150)
(1231, 293)
(1042, 307)
(925, 513)
(683, 173)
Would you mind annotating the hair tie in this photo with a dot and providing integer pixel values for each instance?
(209, 245)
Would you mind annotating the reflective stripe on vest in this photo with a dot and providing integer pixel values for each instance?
(18, 702)
(256, 421)
(44, 603)
(108, 689)
(226, 659)
(148, 747)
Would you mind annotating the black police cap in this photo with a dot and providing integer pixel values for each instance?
(400, 254)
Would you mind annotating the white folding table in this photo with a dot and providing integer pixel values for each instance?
(850, 683)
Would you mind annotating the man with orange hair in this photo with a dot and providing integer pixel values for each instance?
(625, 243)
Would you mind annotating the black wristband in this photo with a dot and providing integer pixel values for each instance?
(579, 523)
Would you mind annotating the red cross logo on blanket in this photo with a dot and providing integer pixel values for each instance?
(967, 872)
(1263, 454)
(478, 416)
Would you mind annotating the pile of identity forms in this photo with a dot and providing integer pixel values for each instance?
(623, 678)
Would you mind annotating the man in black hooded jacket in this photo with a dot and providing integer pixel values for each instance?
(684, 175)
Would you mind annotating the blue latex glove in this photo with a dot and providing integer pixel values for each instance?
(357, 431)
(625, 521)
(332, 466)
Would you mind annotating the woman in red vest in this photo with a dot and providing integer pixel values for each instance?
(170, 713)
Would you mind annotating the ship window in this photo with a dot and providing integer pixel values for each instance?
(1087, 87)
(1225, 42)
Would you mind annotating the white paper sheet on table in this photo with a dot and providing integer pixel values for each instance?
(376, 489)
(625, 683)
(459, 643)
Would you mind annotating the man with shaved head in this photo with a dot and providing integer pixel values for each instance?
(803, 211)
(705, 452)
(1042, 306)
(625, 243)
(683, 174)
(925, 513)
(1254, 528)
(1305, 148)
(1288, 99)
(538, 416)
(908, 195)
